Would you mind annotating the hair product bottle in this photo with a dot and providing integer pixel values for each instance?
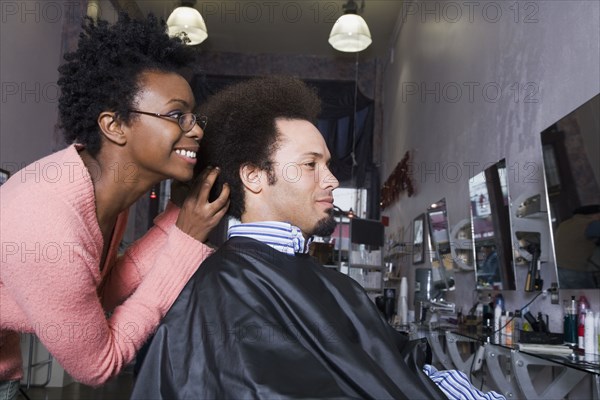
(570, 321)
(590, 335)
(497, 317)
(584, 306)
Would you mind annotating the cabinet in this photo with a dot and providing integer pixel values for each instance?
(360, 256)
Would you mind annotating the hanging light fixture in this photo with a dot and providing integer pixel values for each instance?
(186, 19)
(350, 33)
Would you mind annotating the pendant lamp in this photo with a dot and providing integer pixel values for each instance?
(186, 19)
(350, 33)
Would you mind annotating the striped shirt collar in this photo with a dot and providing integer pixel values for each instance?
(281, 236)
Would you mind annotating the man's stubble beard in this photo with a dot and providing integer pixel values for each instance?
(325, 226)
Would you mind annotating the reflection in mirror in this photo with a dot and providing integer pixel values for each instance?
(530, 242)
(441, 254)
(419, 240)
(488, 191)
(571, 150)
(461, 244)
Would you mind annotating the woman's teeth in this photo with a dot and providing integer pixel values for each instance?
(186, 153)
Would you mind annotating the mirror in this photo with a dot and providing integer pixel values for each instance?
(488, 190)
(418, 240)
(571, 157)
(441, 253)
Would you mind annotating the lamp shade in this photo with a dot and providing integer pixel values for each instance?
(188, 20)
(350, 34)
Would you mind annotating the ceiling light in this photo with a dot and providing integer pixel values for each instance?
(350, 33)
(186, 19)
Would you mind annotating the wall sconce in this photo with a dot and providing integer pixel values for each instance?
(186, 19)
(350, 33)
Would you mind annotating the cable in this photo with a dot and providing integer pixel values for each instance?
(24, 394)
(521, 310)
(354, 123)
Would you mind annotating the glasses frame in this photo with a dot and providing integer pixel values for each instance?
(200, 120)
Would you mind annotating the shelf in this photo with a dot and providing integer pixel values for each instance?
(397, 254)
(365, 266)
(537, 214)
(361, 255)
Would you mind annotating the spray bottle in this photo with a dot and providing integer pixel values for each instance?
(402, 305)
(498, 308)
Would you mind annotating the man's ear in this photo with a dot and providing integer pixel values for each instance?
(252, 177)
(112, 128)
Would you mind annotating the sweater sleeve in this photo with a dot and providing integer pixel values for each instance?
(52, 274)
(140, 257)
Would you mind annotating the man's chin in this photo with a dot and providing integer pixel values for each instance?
(325, 226)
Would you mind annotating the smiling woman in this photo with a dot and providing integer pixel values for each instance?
(114, 157)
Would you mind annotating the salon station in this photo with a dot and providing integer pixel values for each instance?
(466, 139)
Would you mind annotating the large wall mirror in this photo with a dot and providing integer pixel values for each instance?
(442, 266)
(571, 154)
(494, 267)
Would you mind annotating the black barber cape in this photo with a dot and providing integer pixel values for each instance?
(255, 323)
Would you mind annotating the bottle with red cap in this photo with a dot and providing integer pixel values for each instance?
(582, 307)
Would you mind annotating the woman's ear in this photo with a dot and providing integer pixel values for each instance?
(112, 128)
(252, 177)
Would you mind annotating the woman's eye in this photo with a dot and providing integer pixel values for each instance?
(175, 114)
(311, 164)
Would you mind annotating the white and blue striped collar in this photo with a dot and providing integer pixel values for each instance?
(281, 236)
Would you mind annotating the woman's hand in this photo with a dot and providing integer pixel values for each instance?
(198, 216)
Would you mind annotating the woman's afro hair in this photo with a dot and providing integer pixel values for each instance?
(242, 127)
(103, 73)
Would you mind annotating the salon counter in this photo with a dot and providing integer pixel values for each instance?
(519, 373)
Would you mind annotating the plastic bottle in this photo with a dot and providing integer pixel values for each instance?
(497, 315)
(590, 334)
(503, 327)
(517, 326)
(509, 330)
(583, 306)
(403, 306)
(500, 300)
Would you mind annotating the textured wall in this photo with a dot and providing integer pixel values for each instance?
(469, 83)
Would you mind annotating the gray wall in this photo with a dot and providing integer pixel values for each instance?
(30, 49)
(470, 83)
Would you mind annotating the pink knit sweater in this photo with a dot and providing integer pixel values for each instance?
(51, 283)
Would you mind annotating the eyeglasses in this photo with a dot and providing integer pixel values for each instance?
(186, 121)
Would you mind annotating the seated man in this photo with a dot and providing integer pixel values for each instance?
(261, 318)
